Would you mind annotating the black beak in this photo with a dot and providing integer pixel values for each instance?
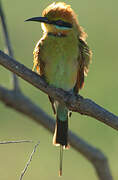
(47, 21)
(39, 19)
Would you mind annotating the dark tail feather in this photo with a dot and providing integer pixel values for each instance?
(61, 138)
(61, 133)
(61, 128)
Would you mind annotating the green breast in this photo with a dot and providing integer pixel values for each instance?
(60, 57)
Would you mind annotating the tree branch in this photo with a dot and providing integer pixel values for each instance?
(8, 47)
(29, 161)
(15, 142)
(23, 105)
(74, 103)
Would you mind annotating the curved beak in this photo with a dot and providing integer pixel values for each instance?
(39, 19)
(47, 21)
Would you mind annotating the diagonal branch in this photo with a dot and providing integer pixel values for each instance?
(29, 161)
(23, 105)
(74, 103)
(8, 47)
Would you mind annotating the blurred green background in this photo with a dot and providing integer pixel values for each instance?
(100, 21)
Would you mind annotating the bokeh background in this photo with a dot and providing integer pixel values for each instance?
(100, 21)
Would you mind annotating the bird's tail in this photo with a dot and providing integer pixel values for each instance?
(61, 128)
(61, 131)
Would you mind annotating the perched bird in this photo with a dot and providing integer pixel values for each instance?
(61, 57)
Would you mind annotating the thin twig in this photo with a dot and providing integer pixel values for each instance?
(95, 156)
(74, 103)
(8, 47)
(29, 161)
(20, 141)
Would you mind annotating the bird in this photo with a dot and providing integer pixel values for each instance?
(61, 57)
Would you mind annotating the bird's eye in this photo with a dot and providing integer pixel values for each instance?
(59, 22)
(63, 24)
(62, 27)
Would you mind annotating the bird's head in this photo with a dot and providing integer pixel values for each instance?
(58, 18)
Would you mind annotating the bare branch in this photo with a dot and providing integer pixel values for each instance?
(74, 103)
(5, 32)
(8, 47)
(29, 161)
(22, 104)
(14, 142)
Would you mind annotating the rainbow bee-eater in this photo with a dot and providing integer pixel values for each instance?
(61, 57)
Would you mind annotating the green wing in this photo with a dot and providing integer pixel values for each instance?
(40, 67)
(38, 63)
(86, 55)
(84, 60)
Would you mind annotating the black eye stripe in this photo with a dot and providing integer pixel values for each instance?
(61, 23)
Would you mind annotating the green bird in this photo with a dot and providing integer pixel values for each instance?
(61, 57)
